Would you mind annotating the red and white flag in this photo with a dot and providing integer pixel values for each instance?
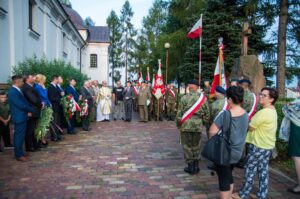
(219, 75)
(196, 31)
(140, 78)
(159, 89)
(148, 75)
(254, 107)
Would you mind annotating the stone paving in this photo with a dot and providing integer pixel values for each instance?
(115, 160)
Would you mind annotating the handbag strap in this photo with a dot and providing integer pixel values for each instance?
(226, 129)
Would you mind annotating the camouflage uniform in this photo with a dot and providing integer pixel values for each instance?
(171, 103)
(248, 101)
(192, 128)
(155, 107)
(217, 106)
(206, 91)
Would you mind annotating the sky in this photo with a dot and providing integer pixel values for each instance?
(99, 10)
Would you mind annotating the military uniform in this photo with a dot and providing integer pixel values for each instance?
(191, 129)
(206, 91)
(217, 107)
(158, 111)
(144, 95)
(4, 129)
(248, 101)
(171, 103)
(150, 106)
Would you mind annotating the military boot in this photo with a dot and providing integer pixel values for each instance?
(196, 166)
(189, 169)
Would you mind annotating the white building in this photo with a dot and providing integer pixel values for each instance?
(46, 28)
(292, 93)
(96, 51)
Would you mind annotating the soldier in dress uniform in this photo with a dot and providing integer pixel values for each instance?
(190, 120)
(171, 98)
(144, 97)
(158, 111)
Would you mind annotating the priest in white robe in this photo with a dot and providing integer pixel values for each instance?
(104, 103)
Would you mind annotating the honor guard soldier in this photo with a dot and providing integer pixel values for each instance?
(193, 113)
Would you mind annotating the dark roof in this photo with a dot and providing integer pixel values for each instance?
(75, 17)
(98, 34)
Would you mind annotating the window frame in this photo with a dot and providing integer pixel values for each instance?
(94, 65)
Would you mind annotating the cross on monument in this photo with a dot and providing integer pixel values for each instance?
(245, 34)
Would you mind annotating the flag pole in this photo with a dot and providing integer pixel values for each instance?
(200, 55)
(220, 59)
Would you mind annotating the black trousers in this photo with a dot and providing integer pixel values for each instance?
(128, 109)
(225, 177)
(30, 138)
(54, 131)
(87, 119)
(5, 134)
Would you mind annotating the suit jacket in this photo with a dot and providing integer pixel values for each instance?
(71, 91)
(87, 95)
(19, 106)
(33, 98)
(54, 97)
(128, 93)
(144, 95)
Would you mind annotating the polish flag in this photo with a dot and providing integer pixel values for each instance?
(219, 76)
(148, 75)
(159, 89)
(196, 30)
(140, 79)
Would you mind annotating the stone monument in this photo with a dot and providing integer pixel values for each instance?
(248, 66)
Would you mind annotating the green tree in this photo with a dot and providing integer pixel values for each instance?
(128, 36)
(66, 2)
(89, 22)
(114, 25)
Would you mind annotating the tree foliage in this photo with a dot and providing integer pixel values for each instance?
(89, 22)
(49, 68)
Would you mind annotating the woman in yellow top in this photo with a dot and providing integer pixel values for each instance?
(261, 140)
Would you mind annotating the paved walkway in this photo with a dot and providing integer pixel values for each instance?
(115, 160)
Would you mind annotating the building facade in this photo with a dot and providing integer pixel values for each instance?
(46, 28)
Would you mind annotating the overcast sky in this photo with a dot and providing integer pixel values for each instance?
(99, 10)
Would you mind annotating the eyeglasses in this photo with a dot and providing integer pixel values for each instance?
(263, 95)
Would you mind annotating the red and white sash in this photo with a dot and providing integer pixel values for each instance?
(172, 93)
(253, 109)
(189, 113)
(135, 90)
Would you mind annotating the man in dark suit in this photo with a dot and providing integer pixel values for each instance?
(34, 100)
(70, 90)
(128, 101)
(54, 95)
(86, 95)
(20, 110)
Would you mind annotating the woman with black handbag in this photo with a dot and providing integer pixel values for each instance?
(232, 126)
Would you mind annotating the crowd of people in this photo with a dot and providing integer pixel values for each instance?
(253, 120)
(252, 123)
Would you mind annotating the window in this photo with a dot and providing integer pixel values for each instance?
(65, 45)
(32, 15)
(93, 60)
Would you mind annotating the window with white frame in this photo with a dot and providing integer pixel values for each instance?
(32, 15)
(93, 60)
(65, 45)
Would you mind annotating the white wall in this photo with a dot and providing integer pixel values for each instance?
(18, 42)
(101, 72)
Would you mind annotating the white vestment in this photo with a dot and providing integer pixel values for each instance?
(104, 104)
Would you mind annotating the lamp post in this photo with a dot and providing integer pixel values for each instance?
(167, 46)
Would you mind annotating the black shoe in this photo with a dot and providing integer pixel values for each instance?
(115, 119)
(189, 168)
(212, 167)
(240, 164)
(196, 167)
(293, 191)
(54, 139)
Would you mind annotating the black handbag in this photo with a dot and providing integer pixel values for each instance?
(218, 148)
